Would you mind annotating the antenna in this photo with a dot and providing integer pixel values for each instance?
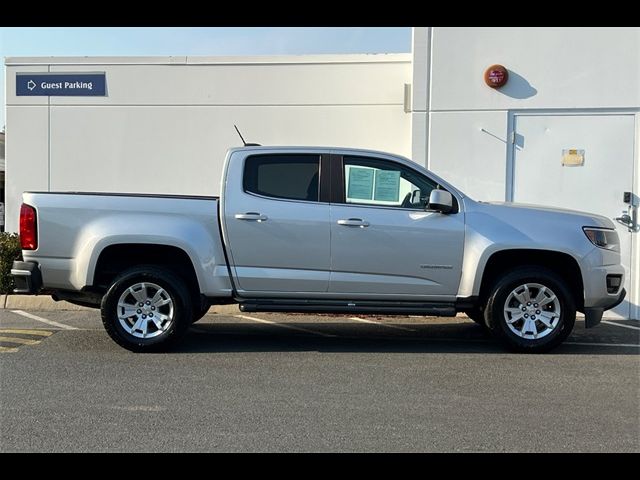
(242, 138)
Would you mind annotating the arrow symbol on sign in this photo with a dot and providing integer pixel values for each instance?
(31, 85)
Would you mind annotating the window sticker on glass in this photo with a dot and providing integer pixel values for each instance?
(360, 183)
(387, 187)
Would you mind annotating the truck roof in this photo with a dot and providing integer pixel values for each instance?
(316, 148)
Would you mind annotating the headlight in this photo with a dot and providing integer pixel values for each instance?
(603, 238)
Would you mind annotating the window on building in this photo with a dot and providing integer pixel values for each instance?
(293, 177)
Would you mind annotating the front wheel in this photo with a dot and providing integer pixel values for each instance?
(147, 309)
(531, 310)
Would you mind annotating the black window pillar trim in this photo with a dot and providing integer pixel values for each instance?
(325, 178)
(337, 179)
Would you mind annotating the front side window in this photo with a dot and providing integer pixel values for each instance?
(292, 177)
(371, 181)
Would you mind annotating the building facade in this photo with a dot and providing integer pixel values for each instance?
(562, 131)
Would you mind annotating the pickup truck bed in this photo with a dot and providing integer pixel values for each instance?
(81, 226)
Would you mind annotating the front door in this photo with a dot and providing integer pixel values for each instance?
(383, 242)
(277, 229)
(579, 162)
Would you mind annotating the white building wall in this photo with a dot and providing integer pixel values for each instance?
(549, 68)
(462, 129)
(166, 123)
(469, 148)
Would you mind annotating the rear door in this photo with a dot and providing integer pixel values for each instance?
(276, 224)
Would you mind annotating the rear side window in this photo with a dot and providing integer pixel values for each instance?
(294, 177)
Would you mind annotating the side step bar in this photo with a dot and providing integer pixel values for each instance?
(349, 306)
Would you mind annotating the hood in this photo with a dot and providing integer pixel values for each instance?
(584, 218)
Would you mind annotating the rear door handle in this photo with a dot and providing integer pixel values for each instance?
(251, 216)
(353, 222)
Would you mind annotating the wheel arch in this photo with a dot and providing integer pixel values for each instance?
(561, 263)
(117, 257)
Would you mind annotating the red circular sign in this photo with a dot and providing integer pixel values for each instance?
(496, 76)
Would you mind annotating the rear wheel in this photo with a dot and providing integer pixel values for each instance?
(531, 309)
(147, 308)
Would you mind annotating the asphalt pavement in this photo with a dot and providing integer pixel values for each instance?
(302, 383)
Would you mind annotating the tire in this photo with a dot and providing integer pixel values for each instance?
(168, 299)
(549, 310)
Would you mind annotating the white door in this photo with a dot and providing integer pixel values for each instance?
(598, 154)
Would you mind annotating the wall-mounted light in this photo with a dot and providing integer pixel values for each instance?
(496, 76)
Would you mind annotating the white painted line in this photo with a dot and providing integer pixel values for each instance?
(283, 325)
(396, 327)
(619, 325)
(602, 344)
(44, 320)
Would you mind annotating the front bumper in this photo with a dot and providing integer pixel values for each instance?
(593, 315)
(27, 277)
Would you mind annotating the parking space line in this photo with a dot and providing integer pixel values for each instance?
(635, 345)
(291, 327)
(8, 349)
(19, 341)
(619, 325)
(396, 327)
(40, 333)
(43, 320)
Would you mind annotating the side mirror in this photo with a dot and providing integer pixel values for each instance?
(440, 201)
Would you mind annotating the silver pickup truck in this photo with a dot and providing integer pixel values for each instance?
(301, 229)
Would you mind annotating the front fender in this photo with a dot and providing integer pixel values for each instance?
(487, 234)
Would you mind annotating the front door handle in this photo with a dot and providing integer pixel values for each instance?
(353, 222)
(251, 216)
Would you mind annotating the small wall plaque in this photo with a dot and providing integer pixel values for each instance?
(572, 158)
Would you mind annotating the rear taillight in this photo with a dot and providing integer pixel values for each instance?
(28, 228)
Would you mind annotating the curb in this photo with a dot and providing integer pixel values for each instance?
(37, 302)
(45, 303)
